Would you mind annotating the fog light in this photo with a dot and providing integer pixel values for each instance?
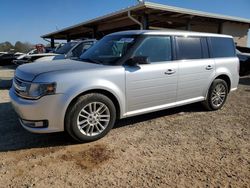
(34, 124)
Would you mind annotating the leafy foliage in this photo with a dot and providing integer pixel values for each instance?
(18, 47)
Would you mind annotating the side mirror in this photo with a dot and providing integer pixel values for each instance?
(137, 60)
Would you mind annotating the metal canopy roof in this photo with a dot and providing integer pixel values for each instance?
(158, 15)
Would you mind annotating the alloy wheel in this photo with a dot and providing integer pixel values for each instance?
(218, 95)
(93, 118)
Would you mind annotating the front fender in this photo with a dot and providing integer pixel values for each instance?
(100, 84)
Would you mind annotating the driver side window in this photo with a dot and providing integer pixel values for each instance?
(156, 48)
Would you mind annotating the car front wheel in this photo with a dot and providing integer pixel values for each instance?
(90, 118)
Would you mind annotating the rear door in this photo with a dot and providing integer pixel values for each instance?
(155, 84)
(196, 68)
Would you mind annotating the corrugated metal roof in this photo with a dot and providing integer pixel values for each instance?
(195, 12)
(155, 6)
(139, 6)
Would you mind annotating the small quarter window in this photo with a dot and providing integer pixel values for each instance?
(156, 48)
(222, 47)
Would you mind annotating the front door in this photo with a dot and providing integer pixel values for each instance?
(151, 86)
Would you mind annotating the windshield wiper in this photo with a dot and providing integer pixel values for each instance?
(92, 60)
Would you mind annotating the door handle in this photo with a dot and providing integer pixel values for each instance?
(169, 71)
(209, 67)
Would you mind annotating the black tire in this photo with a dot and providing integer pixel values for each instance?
(71, 118)
(208, 103)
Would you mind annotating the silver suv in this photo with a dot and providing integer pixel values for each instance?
(125, 74)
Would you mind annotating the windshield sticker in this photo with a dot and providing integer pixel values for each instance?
(128, 40)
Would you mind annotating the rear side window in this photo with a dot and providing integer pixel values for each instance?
(189, 48)
(156, 48)
(222, 47)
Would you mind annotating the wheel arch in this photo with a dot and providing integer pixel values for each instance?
(227, 79)
(224, 77)
(108, 94)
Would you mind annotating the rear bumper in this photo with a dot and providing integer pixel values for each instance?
(46, 109)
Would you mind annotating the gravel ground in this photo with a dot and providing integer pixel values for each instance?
(180, 147)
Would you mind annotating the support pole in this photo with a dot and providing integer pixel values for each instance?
(68, 38)
(188, 26)
(94, 34)
(145, 22)
(52, 43)
(220, 28)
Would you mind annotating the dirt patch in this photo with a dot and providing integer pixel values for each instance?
(91, 157)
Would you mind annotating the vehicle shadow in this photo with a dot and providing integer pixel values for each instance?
(14, 137)
(11, 67)
(245, 80)
(196, 107)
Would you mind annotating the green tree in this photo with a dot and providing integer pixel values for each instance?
(6, 46)
(23, 47)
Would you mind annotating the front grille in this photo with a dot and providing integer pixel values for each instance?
(20, 86)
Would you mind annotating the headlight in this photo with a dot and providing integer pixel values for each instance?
(37, 90)
(34, 90)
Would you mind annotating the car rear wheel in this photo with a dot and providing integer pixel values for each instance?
(90, 118)
(217, 95)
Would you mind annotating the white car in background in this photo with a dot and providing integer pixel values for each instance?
(30, 57)
(3, 53)
(74, 50)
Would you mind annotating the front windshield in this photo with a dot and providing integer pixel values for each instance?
(110, 49)
(65, 48)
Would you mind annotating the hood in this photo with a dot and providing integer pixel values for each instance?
(28, 72)
(36, 55)
(22, 56)
(43, 54)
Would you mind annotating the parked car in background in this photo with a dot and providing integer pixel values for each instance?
(1, 53)
(244, 62)
(17, 54)
(125, 74)
(30, 57)
(6, 58)
(72, 50)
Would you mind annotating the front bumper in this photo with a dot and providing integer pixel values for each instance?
(20, 61)
(48, 109)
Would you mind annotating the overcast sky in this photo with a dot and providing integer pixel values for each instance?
(27, 20)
